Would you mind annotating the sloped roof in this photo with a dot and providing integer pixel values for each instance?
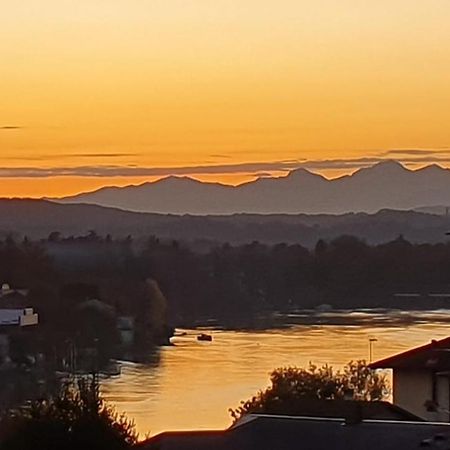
(14, 299)
(351, 410)
(433, 356)
(6, 289)
(97, 305)
(265, 432)
(186, 440)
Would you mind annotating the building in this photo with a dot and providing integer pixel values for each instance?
(15, 316)
(350, 410)
(421, 380)
(15, 309)
(21, 317)
(9, 296)
(126, 326)
(270, 432)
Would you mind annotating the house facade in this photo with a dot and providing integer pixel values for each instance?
(15, 317)
(21, 317)
(421, 380)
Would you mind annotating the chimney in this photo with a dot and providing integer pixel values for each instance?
(348, 394)
(354, 414)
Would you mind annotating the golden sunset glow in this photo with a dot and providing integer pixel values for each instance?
(117, 86)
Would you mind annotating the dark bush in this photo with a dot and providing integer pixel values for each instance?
(76, 419)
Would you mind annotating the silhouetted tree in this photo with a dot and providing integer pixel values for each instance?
(77, 418)
(291, 385)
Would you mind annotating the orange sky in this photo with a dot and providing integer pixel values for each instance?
(90, 87)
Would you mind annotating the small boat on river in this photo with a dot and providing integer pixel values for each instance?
(204, 337)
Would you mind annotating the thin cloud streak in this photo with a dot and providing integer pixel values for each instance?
(219, 156)
(11, 127)
(70, 156)
(251, 168)
(126, 171)
(360, 163)
(416, 152)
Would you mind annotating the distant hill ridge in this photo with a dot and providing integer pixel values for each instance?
(38, 218)
(385, 185)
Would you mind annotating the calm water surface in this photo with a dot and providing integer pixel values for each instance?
(194, 383)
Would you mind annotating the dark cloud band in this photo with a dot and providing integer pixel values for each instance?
(44, 157)
(133, 171)
(416, 152)
(255, 168)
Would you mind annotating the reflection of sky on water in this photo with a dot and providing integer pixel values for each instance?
(196, 382)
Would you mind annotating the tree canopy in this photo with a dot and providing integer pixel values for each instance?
(237, 285)
(290, 385)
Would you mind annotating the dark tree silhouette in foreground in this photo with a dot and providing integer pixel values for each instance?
(291, 385)
(75, 419)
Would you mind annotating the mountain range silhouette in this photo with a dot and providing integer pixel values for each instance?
(387, 184)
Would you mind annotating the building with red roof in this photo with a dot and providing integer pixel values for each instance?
(421, 379)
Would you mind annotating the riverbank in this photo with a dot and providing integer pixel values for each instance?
(195, 383)
(325, 316)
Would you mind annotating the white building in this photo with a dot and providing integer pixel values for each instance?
(14, 316)
(421, 380)
(18, 317)
(14, 309)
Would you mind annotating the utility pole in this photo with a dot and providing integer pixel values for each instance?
(371, 341)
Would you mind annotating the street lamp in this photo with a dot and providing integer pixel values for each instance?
(371, 341)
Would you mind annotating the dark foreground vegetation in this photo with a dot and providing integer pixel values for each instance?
(74, 419)
(290, 387)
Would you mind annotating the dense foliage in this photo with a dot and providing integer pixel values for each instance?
(234, 284)
(290, 385)
(75, 419)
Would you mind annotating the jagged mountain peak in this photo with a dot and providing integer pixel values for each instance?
(388, 169)
(176, 180)
(388, 166)
(387, 184)
(432, 168)
(303, 173)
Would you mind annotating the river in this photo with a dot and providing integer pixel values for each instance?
(192, 384)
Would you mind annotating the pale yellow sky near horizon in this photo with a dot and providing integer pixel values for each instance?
(115, 84)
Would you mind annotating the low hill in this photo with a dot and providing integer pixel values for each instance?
(38, 218)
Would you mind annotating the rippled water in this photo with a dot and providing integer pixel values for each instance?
(195, 383)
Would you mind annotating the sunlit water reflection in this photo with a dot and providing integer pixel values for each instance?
(195, 382)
